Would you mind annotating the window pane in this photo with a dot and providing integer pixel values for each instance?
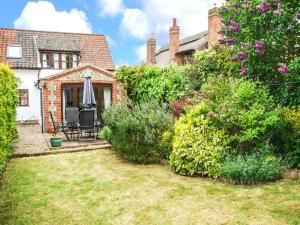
(55, 56)
(23, 98)
(64, 65)
(63, 57)
(107, 97)
(74, 58)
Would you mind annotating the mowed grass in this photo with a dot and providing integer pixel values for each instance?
(99, 188)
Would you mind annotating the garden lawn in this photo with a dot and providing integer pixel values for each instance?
(99, 188)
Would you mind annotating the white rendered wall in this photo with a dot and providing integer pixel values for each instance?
(27, 78)
(49, 72)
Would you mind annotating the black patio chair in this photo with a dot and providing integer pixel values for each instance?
(72, 121)
(59, 127)
(88, 124)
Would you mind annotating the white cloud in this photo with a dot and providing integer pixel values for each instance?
(141, 52)
(156, 16)
(134, 23)
(110, 7)
(42, 15)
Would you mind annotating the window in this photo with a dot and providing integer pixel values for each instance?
(23, 98)
(55, 60)
(14, 51)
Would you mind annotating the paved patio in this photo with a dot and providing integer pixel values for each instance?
(32, 142)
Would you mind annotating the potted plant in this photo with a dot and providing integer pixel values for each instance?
(55, 141)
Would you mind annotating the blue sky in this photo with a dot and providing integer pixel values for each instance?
(126, 23)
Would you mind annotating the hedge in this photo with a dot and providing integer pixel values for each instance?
(8, 104)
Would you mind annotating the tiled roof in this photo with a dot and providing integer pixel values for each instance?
(93, 48)
(189, 42)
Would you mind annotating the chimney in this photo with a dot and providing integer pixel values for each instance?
(151, 50)
(214, 23)
(174, 41)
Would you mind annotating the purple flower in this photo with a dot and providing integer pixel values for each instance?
(283, 69)
(224, 9)
(221, 41)
(237, 5)
(259, 45)
(260, 52)
(231, 41)
(235, 26)
(244, 72)
(234, 59)
(264, 7)
(242, 55)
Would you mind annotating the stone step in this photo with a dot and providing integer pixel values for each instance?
(64, 150)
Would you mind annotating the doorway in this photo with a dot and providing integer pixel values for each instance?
(72, 96)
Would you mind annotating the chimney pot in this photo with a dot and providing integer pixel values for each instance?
(174, 22)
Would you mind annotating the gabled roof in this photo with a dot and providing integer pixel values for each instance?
(93, 48)
(194, 42)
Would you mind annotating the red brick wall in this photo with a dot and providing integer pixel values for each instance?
(213, 26)
(53, 86)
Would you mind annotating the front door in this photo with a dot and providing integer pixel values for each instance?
(72, 96)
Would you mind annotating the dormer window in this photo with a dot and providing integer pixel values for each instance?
(14, 52)
(59, 60)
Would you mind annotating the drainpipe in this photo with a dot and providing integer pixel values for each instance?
(38, 83)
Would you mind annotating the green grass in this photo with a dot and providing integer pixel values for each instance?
(98, 188)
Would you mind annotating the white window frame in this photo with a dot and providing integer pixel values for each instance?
(14, 56)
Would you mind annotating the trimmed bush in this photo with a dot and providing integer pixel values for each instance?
(8, 104)
(198, 145)
(140, 133)
(147, 83)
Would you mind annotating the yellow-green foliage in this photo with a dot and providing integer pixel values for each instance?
(8, 104)
(197, 145)
(292, 116)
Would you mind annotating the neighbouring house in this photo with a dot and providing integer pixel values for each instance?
(180, 51)
(51, 67)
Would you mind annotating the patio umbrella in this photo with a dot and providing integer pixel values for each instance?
(88, 92)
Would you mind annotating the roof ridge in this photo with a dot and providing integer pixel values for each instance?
(45, 31)
(182, 41)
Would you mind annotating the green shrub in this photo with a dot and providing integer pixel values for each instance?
(288, 94)
(288, 136)
(243, 110)
(147, 83)
(234, 114)
(197, 145)
(251, 168)
(210, 63)
(139, 132)
(8, 104)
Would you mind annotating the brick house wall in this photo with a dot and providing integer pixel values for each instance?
(52, 90)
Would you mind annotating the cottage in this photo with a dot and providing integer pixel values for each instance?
(51, 67)
(180, 51)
